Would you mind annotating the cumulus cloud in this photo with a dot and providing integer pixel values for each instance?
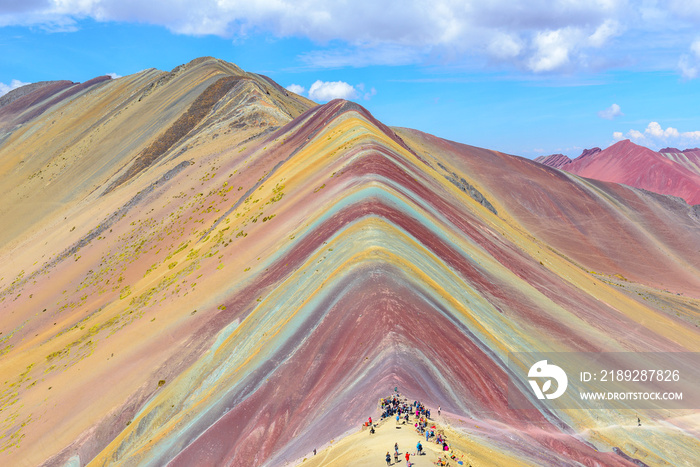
(635, 135)
(541, 36)
(552, 49)
(296, 89)
(365, 31)
(555, 49)
(114, 75)
(324, 91)
(655, 136)
(14, 84)
(611, 112)
(654, 130)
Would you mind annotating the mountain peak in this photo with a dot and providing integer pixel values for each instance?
(588, 153)
(668, 171)
(559, 161)
(625, 143)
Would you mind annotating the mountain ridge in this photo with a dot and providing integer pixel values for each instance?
(672, 173)
(249, 294)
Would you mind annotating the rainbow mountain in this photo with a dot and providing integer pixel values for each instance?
(199, 267)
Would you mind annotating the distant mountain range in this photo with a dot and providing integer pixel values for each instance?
(669, 171)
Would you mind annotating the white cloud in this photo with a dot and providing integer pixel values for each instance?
(324, 91)
(635, 135)
(296, 89)
(14, 84)
(655, 136)
(551, 50)
(654, 130)
(609, 29)
(536, 35)
(611, 112)
(114, 75)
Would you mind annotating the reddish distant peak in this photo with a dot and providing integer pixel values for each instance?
(555, 160)
(625, 143)
(623, 155)
(589, 153)
(638, 166)
(678, 151)
(559, 161)
(628, 150)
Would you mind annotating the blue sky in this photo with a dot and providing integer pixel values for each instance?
(527, 77)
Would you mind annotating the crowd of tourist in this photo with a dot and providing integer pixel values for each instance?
(403, 410)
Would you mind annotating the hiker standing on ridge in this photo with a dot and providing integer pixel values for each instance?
(388, 458)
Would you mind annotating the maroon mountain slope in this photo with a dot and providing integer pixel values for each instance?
(636, 166)
(688, 158)
(557, 161)
(560, 161)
